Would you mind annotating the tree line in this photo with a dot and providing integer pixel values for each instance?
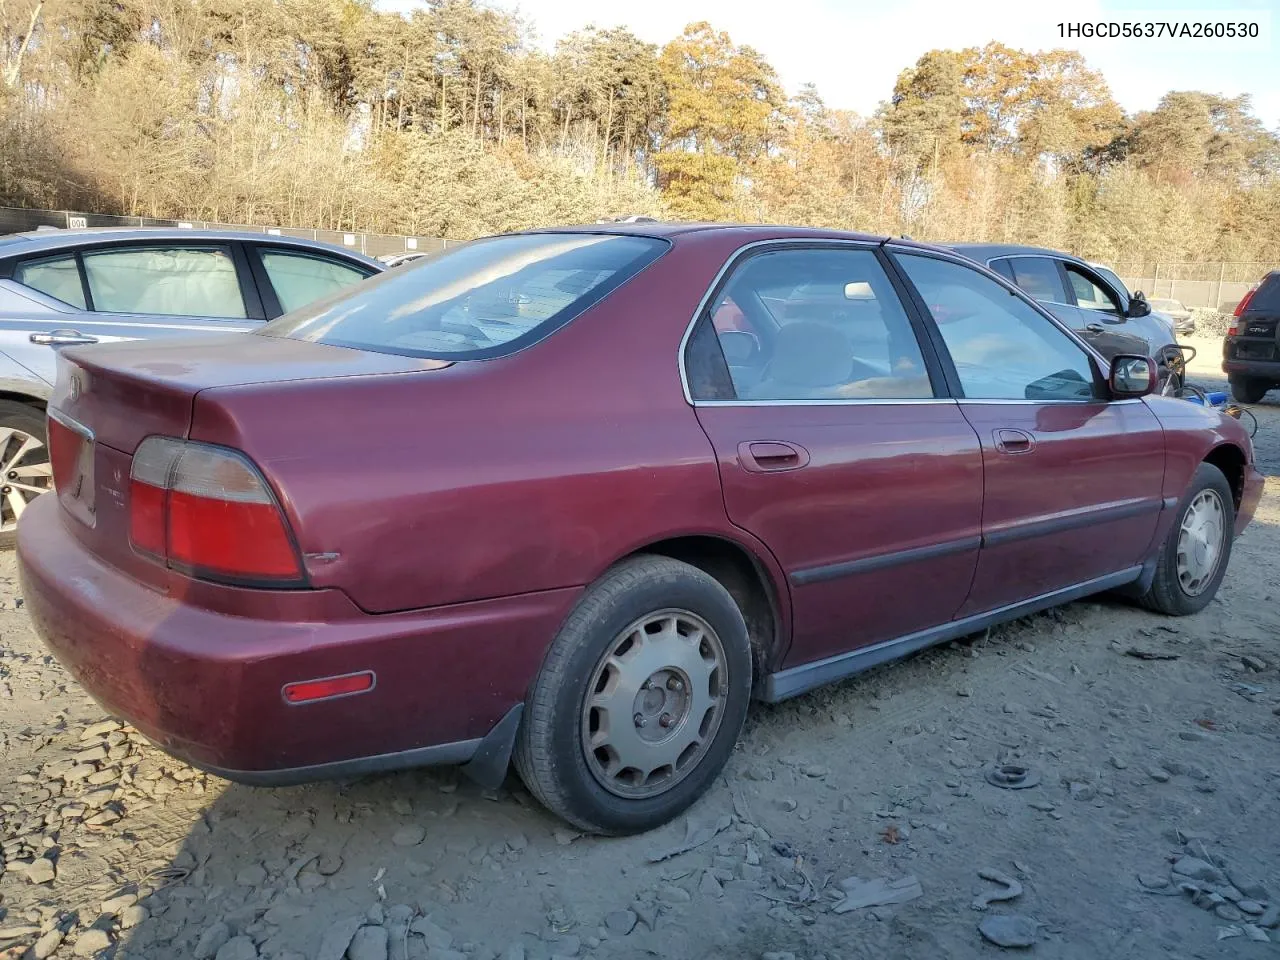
(452, 121)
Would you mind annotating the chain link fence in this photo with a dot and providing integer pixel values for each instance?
(1217, 285)
(20, 220)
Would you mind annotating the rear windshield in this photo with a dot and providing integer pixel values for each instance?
(1267, 296)
(483, 299)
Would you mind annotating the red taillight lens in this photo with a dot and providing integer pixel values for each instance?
(207, 509)
(64, 447)
(146, 517)
(1243, 305)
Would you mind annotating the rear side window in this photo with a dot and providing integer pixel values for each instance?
(1039, 277)
(814, 324)
(59, 277)
(178, 281)
(1267, 296)
(299, 279)
(484, 299)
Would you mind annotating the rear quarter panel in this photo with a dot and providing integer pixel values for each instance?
(500, 477)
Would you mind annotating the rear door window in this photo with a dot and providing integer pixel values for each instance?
(483, 299)
(58, 277)
(172, 280)
(821, 324)
(1039, 277)
(301, 278)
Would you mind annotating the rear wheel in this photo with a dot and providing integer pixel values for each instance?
(640, 699)
(1249, 389)
(1194, 557)
(25, 472)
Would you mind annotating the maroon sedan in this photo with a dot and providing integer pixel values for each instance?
(573, 497)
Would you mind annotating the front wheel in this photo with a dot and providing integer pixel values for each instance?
(1194, 557)
(1249, 389)
(640, 699)
(25, 472)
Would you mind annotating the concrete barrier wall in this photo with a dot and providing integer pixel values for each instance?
(1215, 294)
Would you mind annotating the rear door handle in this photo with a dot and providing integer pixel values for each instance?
(771, 456)
(1014, 441)
(62, 338)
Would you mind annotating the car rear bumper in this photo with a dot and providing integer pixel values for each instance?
(206, 686)
(1250, 496)
(1253, 368)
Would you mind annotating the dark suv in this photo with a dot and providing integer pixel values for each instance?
(1251, 350)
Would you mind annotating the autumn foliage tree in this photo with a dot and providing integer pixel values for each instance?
(452, 120)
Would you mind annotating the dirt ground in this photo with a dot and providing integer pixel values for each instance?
(1142, 763)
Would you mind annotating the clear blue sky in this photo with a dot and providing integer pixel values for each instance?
(853, 49)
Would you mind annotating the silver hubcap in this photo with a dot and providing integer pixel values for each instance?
(1200, 541)
(654, 704)
(25, 473)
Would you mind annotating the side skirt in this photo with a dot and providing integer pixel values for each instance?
(801, 679)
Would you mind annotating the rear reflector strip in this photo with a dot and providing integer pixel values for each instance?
(326, 688)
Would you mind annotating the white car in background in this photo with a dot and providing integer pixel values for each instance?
(63, 288)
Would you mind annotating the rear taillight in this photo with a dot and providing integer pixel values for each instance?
(64, 449)
(1243, 305)
(207, 510)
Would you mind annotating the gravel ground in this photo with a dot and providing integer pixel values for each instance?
(871, 791)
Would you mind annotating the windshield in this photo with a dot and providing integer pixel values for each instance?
(483, 299)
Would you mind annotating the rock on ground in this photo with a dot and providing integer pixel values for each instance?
(237, 948)
(1009, 930)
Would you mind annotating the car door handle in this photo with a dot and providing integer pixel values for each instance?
(1014, 441)
(1094, 328)
(62, 338)
(771, 456)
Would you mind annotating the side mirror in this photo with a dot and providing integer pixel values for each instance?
(1138, 306)
(739, 347)
(1132, 376)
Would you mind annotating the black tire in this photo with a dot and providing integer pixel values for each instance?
(29, 420)
(550, 754)
(1249, 389)
(1167, 594)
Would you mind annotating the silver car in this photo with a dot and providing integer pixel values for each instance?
(71, 287)
(1090, 299)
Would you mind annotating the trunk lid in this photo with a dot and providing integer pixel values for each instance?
(124, 392)
(110, 397)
